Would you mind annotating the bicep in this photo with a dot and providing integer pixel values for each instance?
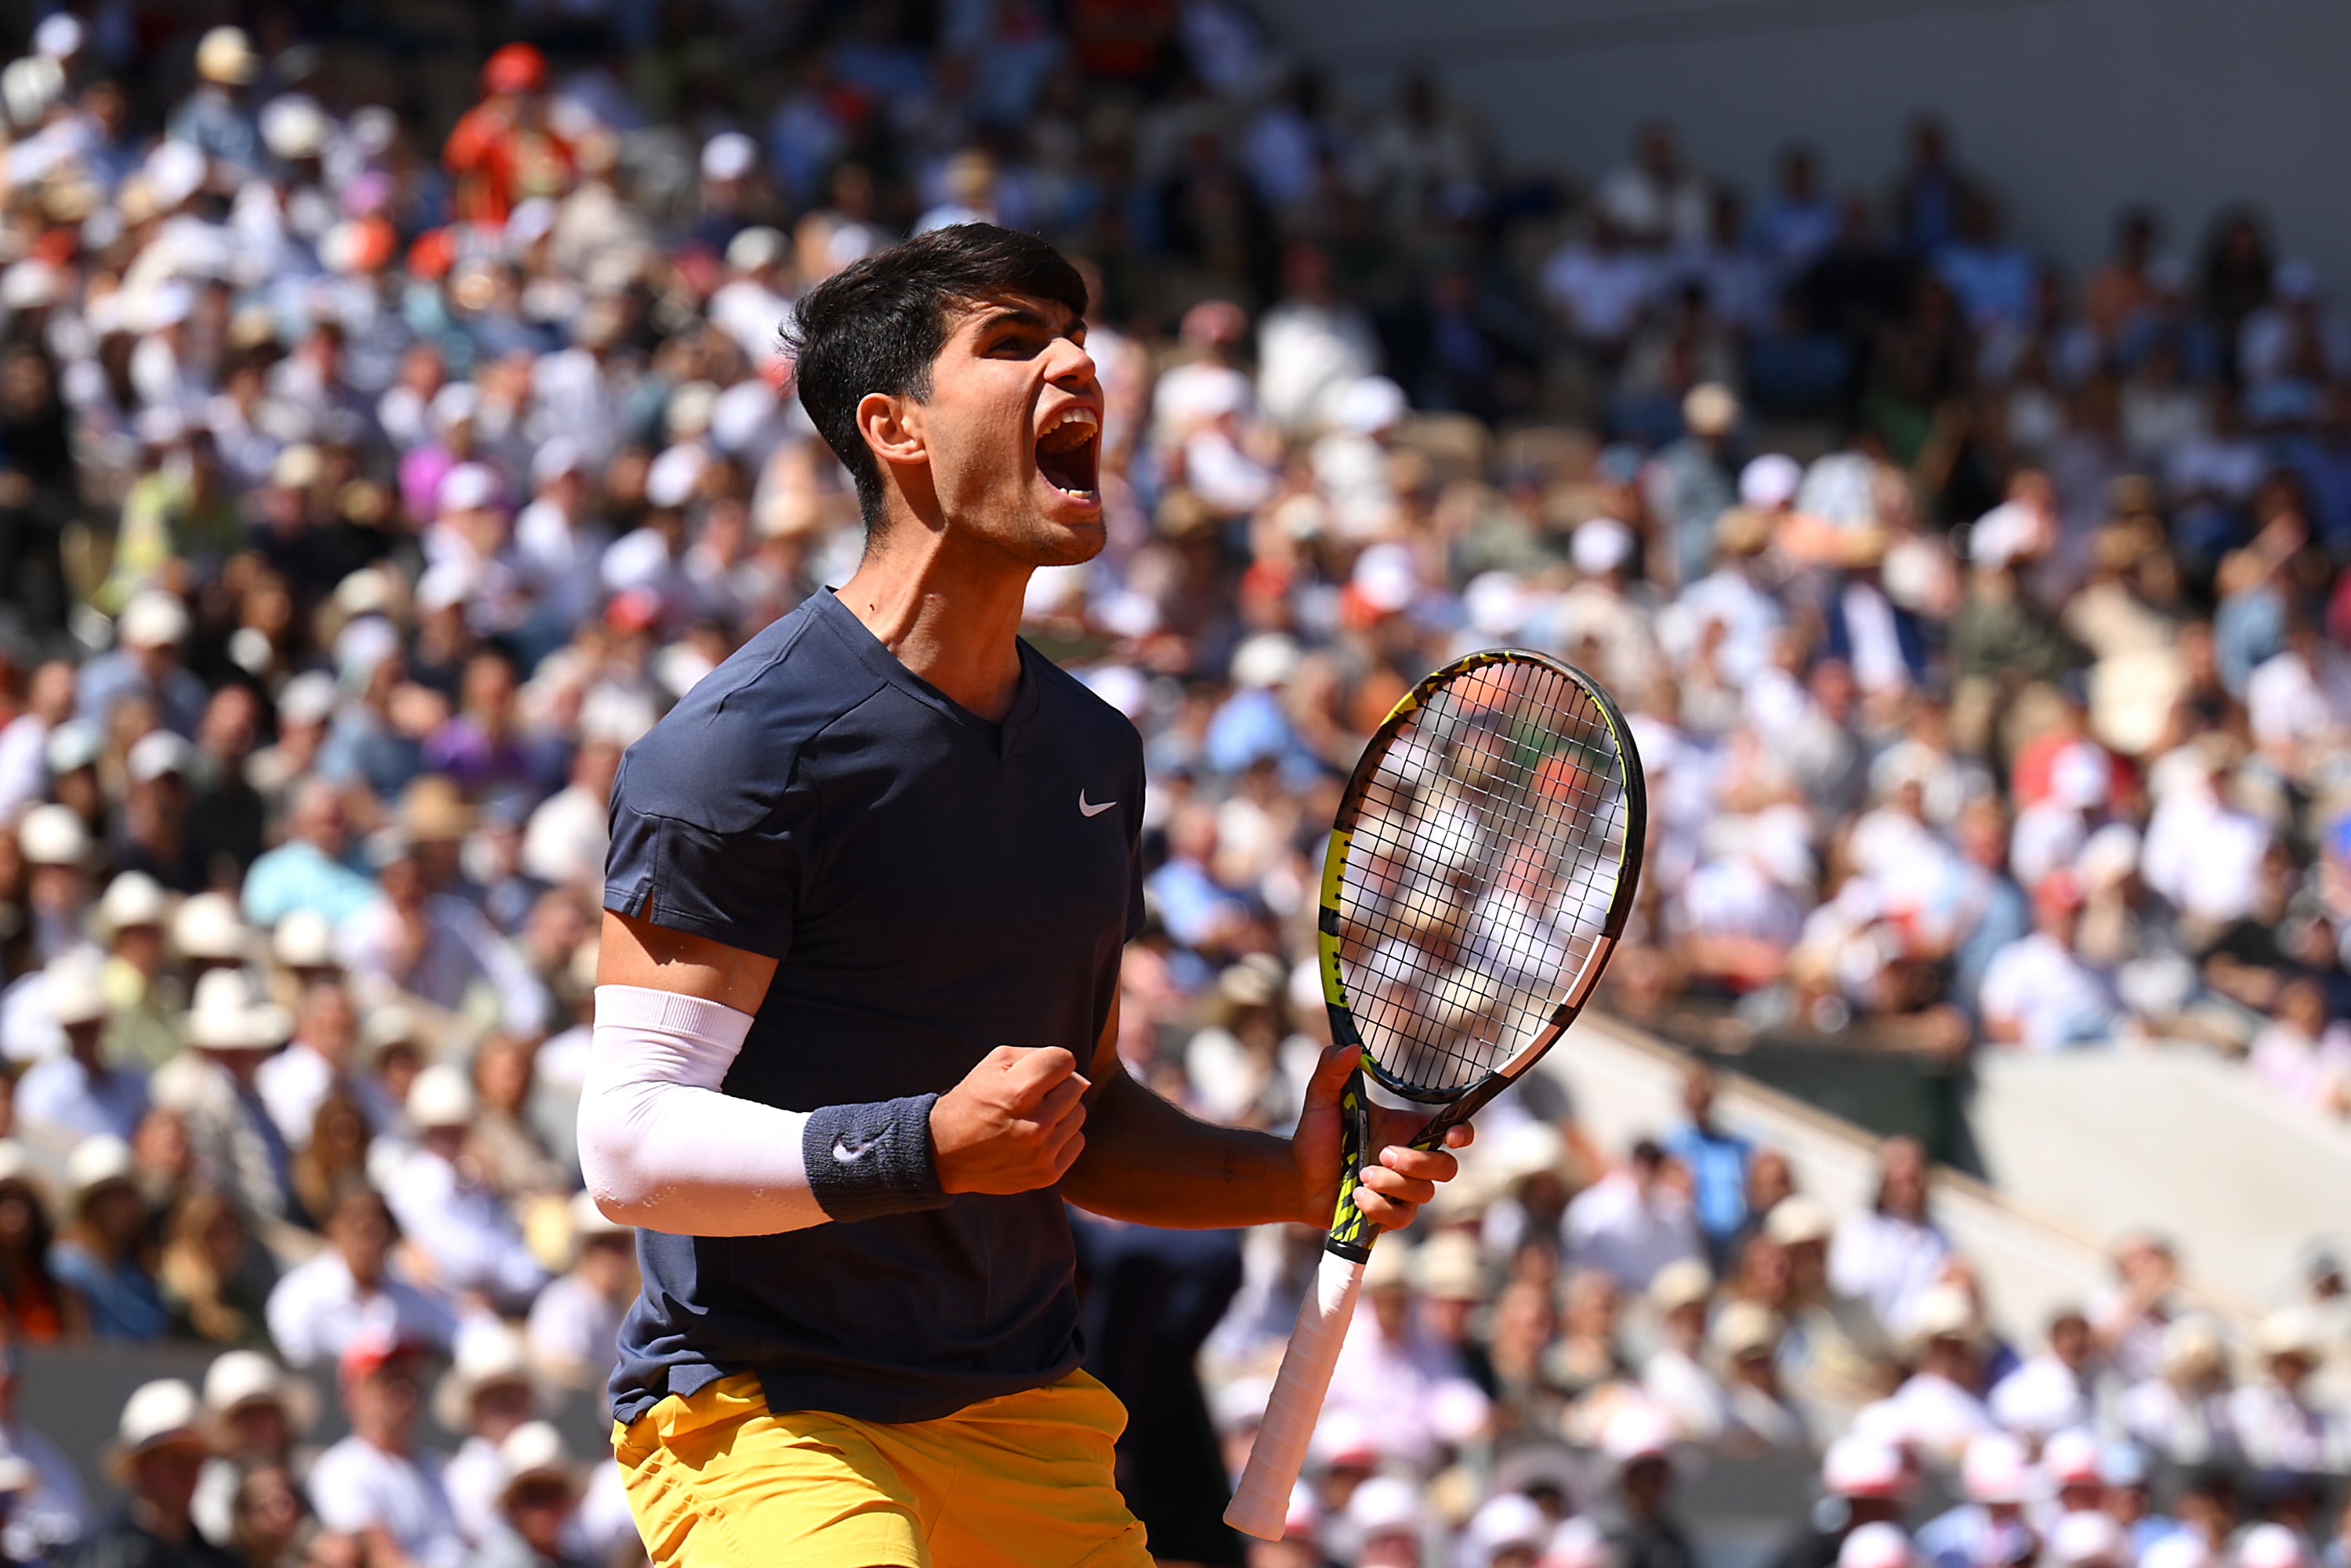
(636, 952)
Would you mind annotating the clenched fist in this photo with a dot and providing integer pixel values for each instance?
(1014, 1124)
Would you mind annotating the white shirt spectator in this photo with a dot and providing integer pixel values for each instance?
(1409, 1394)
(2311, 1070)
(24, 764)
(1887, 1262)
(61, 1095)
(565, 840)
(471, 1480)
(2291, 704)
(1937, 1416)
(2188, 1429)
(1688, 1392)
(462, 947)
(1307, 354)
(293, 1082)
(463, 1227)
(2055, 1000)
(54, 1513)
(1602, 293)
(2040, 1397)
(2202, 856)
(356, 1486)
(317, 1308)
(1629, 1229)
(2278, 1431)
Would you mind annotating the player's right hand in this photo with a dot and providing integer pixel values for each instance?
(1015, 1123)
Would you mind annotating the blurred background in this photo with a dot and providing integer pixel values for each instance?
(1931, 419)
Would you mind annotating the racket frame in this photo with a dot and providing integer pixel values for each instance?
(1352, 1234)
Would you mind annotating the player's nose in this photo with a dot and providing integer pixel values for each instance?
(1069, 366)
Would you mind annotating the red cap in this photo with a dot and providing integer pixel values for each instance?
(516, 67)
(372, 1348)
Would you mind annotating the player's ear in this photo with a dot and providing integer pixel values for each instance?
(893, 428)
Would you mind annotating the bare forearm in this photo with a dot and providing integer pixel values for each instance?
(1148, 1163)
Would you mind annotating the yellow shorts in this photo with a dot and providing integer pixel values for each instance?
(717, 1480)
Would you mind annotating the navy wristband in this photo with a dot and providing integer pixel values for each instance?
(865, 1161)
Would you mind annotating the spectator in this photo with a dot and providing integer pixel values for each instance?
(76, 1094)
(538, 1492)
(2275, 1417)
(1892, 1254)
(1633, 1222)
(156, 1455)
(256, 1410)
(575, 1323)
(232, 1029)
(349, 1289)
(308, 869)
(49, 1514)
(99, 1257)
(457, 1222)
(1716, 1160)
(485, 1397)
(39, 1308)
(214, 1276)
(1862, 1483)
(374, 1480)
(1645, 1534)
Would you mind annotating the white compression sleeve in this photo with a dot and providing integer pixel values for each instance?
(662, 1147)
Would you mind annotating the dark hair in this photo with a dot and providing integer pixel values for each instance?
(878, 325)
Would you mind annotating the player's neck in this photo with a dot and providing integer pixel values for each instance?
(948, 609)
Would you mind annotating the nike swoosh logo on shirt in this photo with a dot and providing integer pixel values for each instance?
(1086, 810)
(847, 1156)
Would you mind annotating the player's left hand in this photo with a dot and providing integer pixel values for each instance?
(1397, 1183)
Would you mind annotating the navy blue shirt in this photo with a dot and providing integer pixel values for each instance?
(931, 885)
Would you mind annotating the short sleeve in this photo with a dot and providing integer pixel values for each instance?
(1137, 872)
(708, 840)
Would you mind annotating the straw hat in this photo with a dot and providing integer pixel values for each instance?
(229, 1012)
(75, 995)
(96, 1162)
(486, 1357)
(441, 1098)
(132, 899)
(225, 55)
(160, 1414)
(433, 810)
(305, 939)
(52, 835)
(533, 1451)
(1449, 1268)
(209, 929)
(1684, 1282)
(237, 1378)
(1797, 1221)
(1746, 1328)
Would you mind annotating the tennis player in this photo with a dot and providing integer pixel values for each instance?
(857, 1007)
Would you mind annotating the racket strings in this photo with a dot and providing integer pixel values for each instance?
(1482, 863)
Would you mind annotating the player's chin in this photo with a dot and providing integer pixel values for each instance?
(1069, 523)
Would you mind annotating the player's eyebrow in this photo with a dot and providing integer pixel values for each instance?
(1021, 316)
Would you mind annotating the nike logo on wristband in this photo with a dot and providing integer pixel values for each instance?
(848, 1157)
(1086, 810)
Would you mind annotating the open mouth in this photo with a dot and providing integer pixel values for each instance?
(1069, 453)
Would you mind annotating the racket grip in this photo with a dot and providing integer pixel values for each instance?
(1261, 1502)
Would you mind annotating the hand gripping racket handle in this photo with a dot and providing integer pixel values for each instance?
(1262, 1503)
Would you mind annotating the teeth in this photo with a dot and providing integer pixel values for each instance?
(1074, 414)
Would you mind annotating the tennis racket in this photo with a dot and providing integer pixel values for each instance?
(1478, 878)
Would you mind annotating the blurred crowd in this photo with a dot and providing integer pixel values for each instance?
(389, 434)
